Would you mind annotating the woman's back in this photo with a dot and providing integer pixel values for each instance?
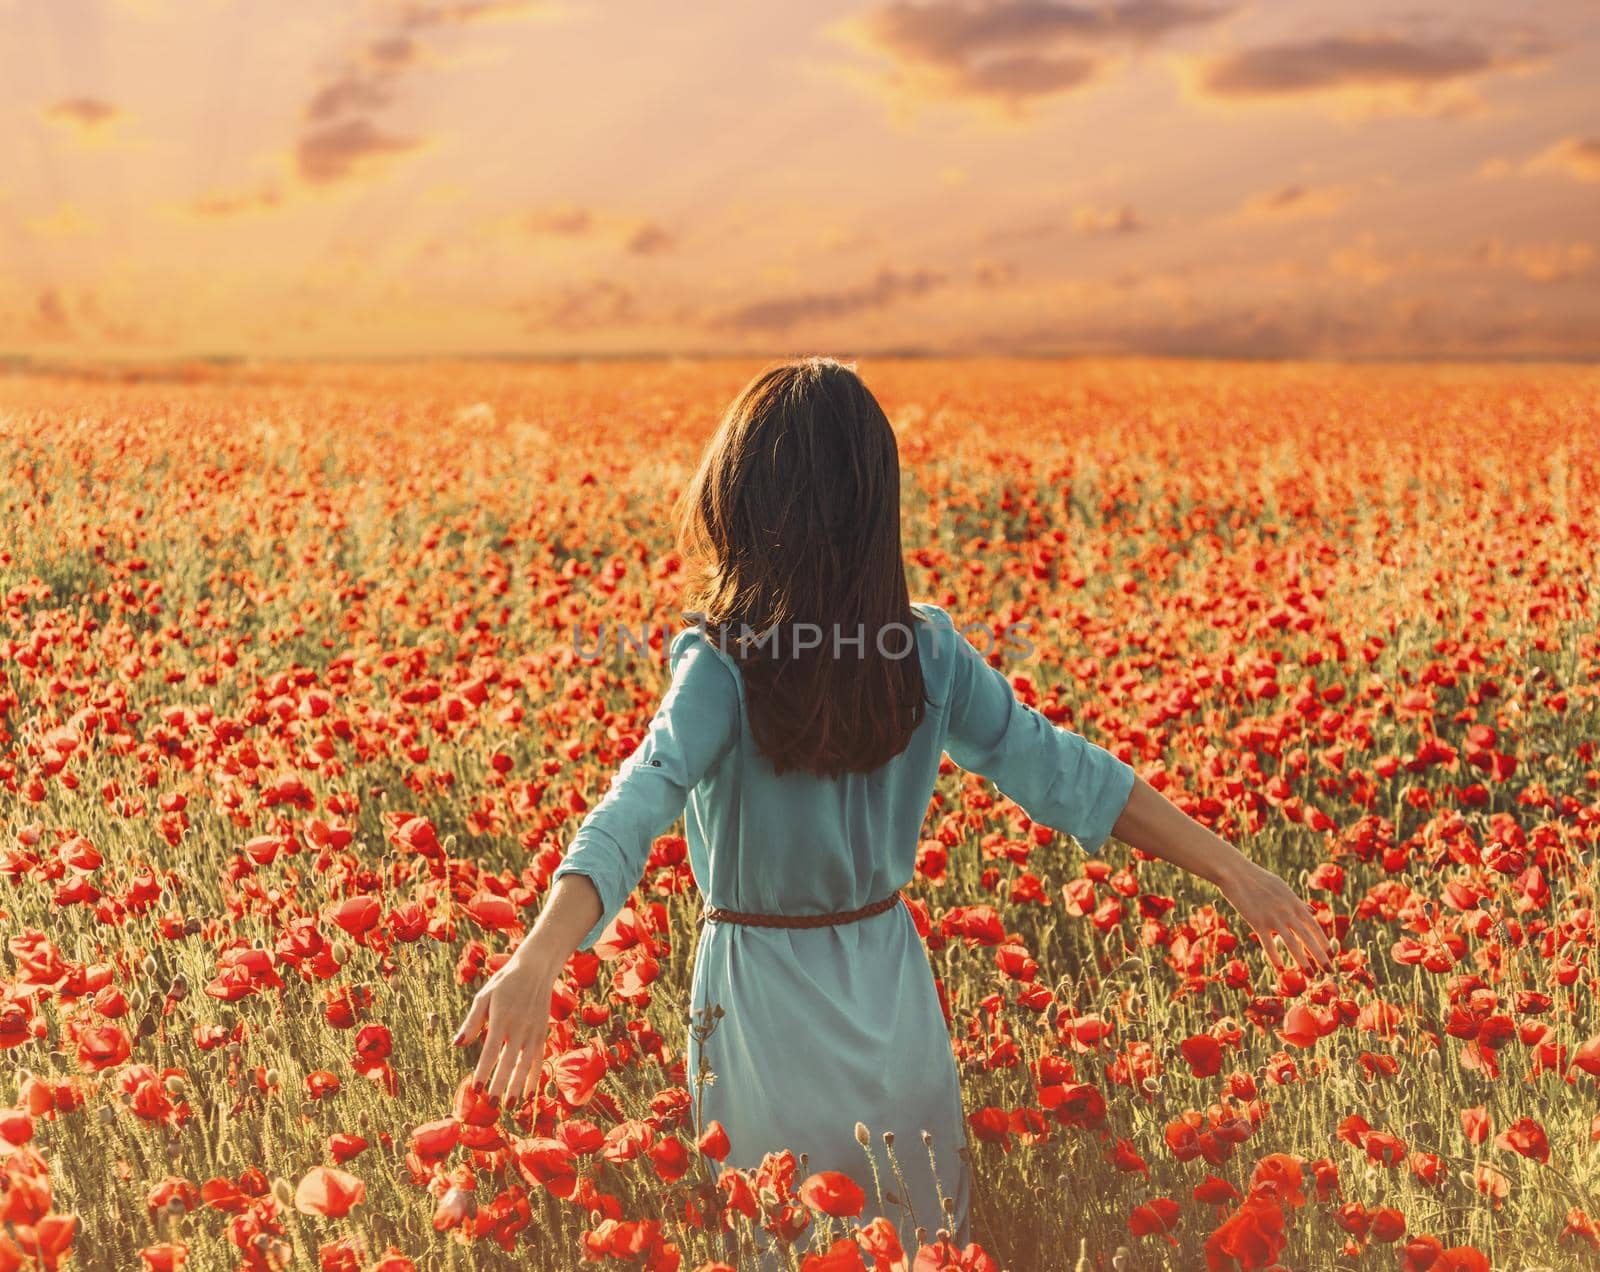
(799, 844)
(827, 1027)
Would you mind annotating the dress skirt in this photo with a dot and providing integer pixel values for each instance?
(825, 1028)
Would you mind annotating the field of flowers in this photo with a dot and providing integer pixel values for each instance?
(292, 734)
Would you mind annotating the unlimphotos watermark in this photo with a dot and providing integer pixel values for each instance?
(792, 640)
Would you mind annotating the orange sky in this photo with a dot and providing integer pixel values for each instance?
(480, 176)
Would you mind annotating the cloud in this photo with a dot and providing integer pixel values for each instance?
(564, 221)
(1102, 221)
(571, 221)
(346, 93)
(394, 52)
(224, 205)
(1293, 203)
(65, 220)
(648, 239)
(90, 121)
(780, 313)
(1006, 54)
(1575, 157)
(990, 274)
(1538, 262)
(1087, 220)
(1362, 262)
(597, 303)
(1371, 73)
(50, 320)
(341, 150)
(417, 16)
(57, 316)
(340, 137)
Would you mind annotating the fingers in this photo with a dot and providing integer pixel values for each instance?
(536, 1068)
(510, 1062)
(1317, 942)
(504, 1064)
(511, 1074)
(1323, 945)
(1301, 946)
(535, 1075)
(474, 1021)
(1265, 935)
(1308, 932)
(516, 1088)
(493, 1041)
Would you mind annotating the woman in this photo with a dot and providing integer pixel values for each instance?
(803, 728)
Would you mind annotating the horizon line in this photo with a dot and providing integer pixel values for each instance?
(14, 360)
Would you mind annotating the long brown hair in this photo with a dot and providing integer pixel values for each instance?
(793, 519)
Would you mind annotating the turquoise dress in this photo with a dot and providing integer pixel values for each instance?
(822, 1028)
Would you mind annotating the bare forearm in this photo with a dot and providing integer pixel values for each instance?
(571, 909)
(1154, 824)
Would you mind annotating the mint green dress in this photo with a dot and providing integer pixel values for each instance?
(823, 1028)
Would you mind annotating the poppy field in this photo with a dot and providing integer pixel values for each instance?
(294, 729)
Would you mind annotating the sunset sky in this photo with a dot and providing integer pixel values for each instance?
(481, 176)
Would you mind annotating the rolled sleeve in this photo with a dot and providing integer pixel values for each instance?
(1058, 777)
(693, 727)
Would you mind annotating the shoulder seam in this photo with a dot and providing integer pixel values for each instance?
(710, 648)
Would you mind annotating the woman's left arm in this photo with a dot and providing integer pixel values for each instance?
(697, 721)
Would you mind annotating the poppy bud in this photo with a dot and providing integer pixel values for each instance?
(282, 1193)
(272, 1076)
(888, 1139)
(927, 1140)
(149, 964)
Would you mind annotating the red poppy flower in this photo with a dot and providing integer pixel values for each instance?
(1159, 1215)
(328, 1191)
(833, 1193)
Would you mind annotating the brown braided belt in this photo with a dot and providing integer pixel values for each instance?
(715, 914)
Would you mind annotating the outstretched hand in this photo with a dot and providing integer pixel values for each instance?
(512, 1014)
(1272, 908)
